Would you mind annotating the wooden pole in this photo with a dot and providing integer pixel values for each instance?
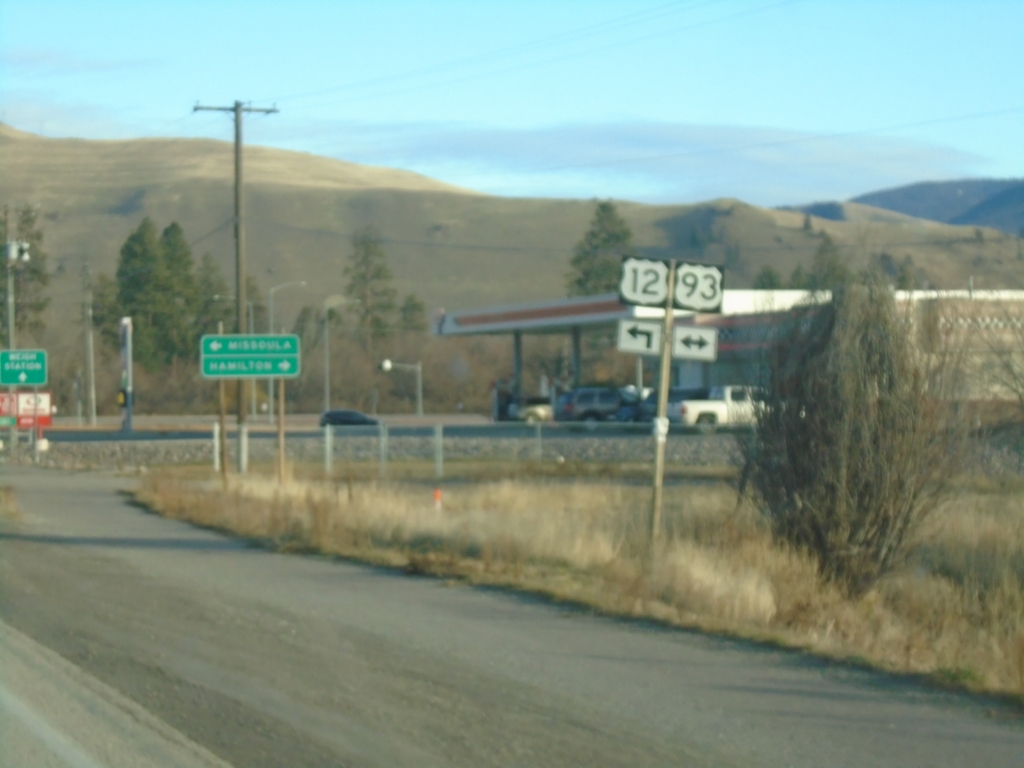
(223, 400)
(280, 431)
(661, 422)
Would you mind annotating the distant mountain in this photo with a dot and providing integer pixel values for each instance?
(997, 203)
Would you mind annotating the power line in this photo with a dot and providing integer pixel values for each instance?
(648, 14)
(564, 57)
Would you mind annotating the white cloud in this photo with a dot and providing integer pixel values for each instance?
(649, 162)
(42, 62)
(653, 162)
(36, 114)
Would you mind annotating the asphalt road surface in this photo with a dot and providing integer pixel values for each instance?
(132, 640)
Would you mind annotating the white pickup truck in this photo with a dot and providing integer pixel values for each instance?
(725, 406)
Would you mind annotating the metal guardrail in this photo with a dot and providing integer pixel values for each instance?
(538, 442)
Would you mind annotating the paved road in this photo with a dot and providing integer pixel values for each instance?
(261, 659)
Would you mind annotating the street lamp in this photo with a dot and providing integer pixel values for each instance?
(273, 330)
(329, 303)
(17, 251)
(388, 365)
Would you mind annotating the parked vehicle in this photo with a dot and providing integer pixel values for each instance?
(534, 409)
(629, 409)
(589, 404)
(346, 418)
(649, 407)
(730, 405)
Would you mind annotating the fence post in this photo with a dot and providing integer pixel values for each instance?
(243, 448)
(539, 441)
(383, 443)
(328, 451)
(216, 447)
(438, 451)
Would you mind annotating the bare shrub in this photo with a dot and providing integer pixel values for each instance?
(1004, 338)
(858, 433)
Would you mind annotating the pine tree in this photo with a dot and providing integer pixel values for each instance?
(768, 279)
(369, 286)
(596, 263)
(412, 315)
(798, 278)
(175, 329)
(828, 271)
(143, 293)
(213, 300)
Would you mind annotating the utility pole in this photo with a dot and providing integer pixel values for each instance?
(238, 108)
(12, 398)
(90, 360)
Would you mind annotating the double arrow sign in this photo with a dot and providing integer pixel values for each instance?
(643, 337)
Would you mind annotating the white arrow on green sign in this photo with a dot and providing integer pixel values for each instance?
(243, 356)
(23, 367)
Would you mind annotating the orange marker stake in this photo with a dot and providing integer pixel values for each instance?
(437, 499)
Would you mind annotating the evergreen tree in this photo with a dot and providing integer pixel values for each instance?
(828, 271)
(906, 279)
(768, 279)
(369, 286)
(143, 293)
(176, 328)
(30, 277)
(798, 278)
(596, 263)
(213, 300)
(412, 315)
(260, 313)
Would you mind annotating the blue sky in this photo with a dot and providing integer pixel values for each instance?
(770, 101)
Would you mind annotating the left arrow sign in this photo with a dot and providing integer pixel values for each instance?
(640, 337)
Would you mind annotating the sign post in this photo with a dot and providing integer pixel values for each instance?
(253, 356)
(693, 287)
(21, 367)
(661, 420)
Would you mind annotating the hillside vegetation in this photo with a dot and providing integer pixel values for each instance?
(453, 247)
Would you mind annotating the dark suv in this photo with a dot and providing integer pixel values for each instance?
(588, 404)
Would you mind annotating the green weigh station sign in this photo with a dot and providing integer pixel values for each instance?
(250, 356)
(23, 368)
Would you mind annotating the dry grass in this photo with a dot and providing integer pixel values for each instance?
(9, 508)
(955, 611)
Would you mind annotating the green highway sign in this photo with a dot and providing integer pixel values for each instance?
(246, 356)
(23, 367)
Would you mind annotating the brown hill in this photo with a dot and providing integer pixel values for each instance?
(454, 247)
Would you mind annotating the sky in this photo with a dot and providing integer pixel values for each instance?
(774, 102)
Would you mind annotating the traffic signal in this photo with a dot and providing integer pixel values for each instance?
(122, 397)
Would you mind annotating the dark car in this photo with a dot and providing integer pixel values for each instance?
(589, 404)
(346, 418)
